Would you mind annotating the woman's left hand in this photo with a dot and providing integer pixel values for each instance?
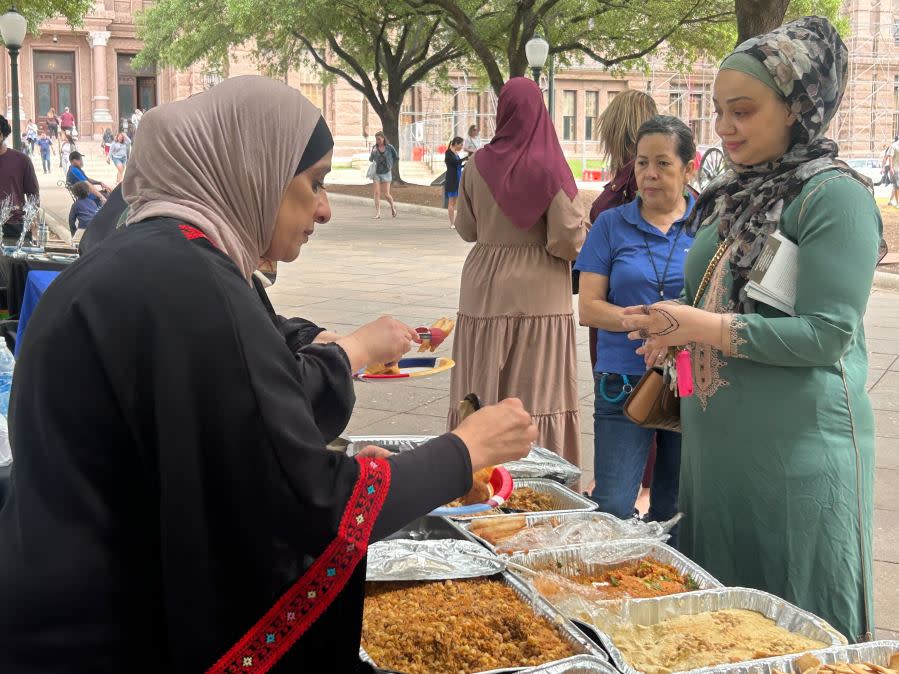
(660, 326)
(375, 452)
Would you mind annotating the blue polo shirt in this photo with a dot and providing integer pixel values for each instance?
(616, 247)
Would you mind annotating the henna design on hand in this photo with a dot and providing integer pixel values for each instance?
(672, 326)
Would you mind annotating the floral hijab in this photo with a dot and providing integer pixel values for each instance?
(806, 62)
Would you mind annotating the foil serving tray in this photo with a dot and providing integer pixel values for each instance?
(877, 652)
(578, 640)
(539, 463)
(651, 611)
(564, 500)
(596, 557)
(614, 528)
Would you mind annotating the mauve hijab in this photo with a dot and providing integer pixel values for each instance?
(201, 160)
(523, 165)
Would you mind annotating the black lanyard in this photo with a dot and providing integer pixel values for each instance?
(661, 279)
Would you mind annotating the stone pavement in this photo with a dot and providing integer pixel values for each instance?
(356, 268)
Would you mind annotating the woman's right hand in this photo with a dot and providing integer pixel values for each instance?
(497, 433)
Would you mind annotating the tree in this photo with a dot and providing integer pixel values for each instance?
(38, 11)
(755, 17)
(614, 33)
(381, 49)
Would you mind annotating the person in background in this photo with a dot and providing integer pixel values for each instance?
(118, 155)
(45, 146)
(52, 124)
(76, 174)
(453, 177)
(618, 127)
(385, 156)
(634, 254)
(66, 147)
(84, 209)
(108, 137)
(472, 141)
(17, 181)
(515, 334)
(30, 136)
(777, 474)
(67, 121)
(135, 120)
(894, 172)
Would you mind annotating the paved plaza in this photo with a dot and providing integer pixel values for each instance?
(356, 268)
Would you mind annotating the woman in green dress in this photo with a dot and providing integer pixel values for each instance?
(778, 439)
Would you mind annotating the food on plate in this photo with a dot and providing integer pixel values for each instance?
(459, 626)
(809, 664)
(704, 640)
(382, 368)
(640, 579)
(436, 334)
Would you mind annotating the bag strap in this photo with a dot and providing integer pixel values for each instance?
(713, 265)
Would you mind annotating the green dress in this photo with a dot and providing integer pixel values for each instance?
(777, 474)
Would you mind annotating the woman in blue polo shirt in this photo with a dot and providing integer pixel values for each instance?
(634, 254)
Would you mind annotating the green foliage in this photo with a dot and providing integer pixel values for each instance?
(831, 9)
(380, 48)
(38, 11)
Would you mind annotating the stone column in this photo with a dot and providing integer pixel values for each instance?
(100, 115)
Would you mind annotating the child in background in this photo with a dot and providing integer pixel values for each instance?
(84, 209)
(46, 147)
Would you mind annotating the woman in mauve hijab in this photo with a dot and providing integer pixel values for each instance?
(172, 506)
(515, 333)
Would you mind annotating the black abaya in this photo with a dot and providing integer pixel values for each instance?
(170, 478)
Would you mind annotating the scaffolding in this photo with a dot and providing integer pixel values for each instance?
(433, 116)
(868, 119)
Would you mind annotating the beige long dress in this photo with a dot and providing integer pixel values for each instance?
(515, 335)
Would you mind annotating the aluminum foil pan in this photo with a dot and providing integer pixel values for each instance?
(877, 652)
(430, 528)
(579, 664)
(594, 557)
(540, 462)
(652, 611)
(395, 443)
(578, 528)
(428, 560)
(563, 498)
(580, 643)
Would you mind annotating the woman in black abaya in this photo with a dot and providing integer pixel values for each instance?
(172, 505)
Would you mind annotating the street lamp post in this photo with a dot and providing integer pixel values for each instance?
(12, 28)
(536, 50)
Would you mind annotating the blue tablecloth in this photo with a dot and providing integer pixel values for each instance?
(35, 285)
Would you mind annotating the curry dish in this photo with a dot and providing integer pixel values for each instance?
(459, 626)
(706, 639)
(642, 578)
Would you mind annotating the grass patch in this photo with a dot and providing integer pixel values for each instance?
(578, 166)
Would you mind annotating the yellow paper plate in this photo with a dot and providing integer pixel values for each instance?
(412, 367)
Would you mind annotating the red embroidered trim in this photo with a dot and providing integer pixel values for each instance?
(191, 233)
(278, 630)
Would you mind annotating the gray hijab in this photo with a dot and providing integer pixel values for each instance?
(200, 160)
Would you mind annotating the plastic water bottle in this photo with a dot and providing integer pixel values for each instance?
(5, 451)
(7, 364)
